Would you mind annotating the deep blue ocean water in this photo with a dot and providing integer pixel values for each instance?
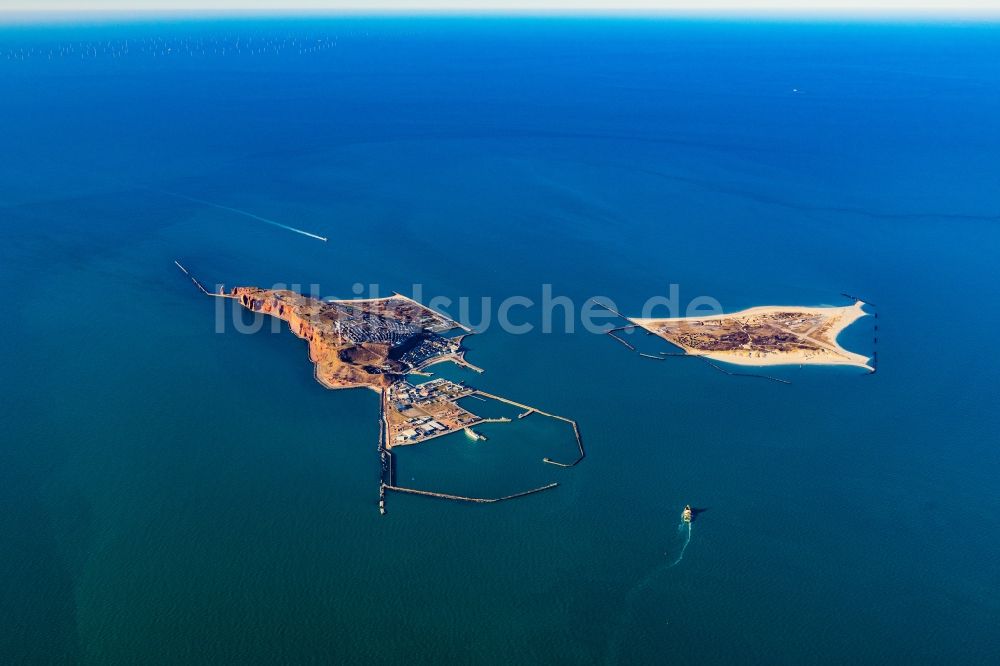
(169, 494)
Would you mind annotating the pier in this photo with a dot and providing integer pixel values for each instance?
(529, 410)
(611, 332)
(856, 298)
(460, 360)
(614, 312)
(197, 283)
(463, 498)
(621, 340)
(740, 374)
(385, 455)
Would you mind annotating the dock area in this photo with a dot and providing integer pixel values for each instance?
(534, 410)
(408, 414)
(386, 482)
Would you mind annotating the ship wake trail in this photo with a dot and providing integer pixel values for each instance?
(243, 213)
(612, 656)
(687, 540)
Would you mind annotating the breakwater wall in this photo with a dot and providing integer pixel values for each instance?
(464, 498)
(529, 410)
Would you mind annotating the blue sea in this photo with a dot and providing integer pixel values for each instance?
(173, 493)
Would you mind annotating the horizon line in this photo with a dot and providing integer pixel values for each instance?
(961, 14)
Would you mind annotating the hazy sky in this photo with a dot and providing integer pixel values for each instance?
(699, 6)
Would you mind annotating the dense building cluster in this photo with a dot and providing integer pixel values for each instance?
(429, 409)
(405, 395)
(427, 349)
(366, 327)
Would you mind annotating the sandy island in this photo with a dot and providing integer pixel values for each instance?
(765, 335)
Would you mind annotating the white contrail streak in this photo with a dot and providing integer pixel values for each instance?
(244, 213)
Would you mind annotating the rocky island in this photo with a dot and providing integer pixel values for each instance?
(360, 343)
(379, 343)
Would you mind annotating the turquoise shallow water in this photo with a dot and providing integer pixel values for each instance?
(172, 494)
